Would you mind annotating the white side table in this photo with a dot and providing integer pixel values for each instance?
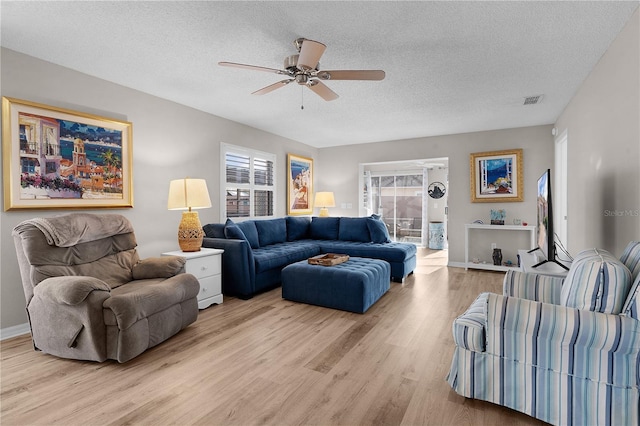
(206, 265)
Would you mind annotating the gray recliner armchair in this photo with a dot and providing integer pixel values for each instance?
(88, 294)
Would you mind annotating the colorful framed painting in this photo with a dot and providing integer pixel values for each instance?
(55, 158)
(496, 176)
(299, 185)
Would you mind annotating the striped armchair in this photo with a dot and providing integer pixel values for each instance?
(563, 351)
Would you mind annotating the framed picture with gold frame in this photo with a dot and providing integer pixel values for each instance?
(496, 176)
(55, 158)
(299, 185)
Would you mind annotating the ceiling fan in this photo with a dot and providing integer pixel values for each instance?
(303, 68)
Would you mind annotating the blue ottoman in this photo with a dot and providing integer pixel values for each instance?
(352, 286)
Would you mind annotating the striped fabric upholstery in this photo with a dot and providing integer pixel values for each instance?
(536, 287)
(632, 305)
(558, 364)
(631, 258)
(468, 328)
(596, 281)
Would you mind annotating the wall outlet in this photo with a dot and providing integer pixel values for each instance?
(493, 245)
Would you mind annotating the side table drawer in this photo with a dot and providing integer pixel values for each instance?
(210, 286)
(203, 266)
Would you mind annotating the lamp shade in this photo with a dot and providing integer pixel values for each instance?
(325, 199)
(187, 194)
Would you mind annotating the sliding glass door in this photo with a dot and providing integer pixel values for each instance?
(398, 199)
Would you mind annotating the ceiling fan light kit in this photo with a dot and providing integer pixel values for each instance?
(304, 69)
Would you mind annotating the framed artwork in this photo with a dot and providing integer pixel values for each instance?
(55, 158)
(496, 176)
(299, 185)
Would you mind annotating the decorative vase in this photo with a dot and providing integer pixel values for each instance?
(497, 256)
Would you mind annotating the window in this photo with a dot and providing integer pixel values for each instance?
(248, 182)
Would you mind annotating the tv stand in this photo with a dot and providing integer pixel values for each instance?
(529, 263)
(549, 261)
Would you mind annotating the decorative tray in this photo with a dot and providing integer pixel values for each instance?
(328, 259)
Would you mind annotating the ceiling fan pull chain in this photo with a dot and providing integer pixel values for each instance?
(301, 97)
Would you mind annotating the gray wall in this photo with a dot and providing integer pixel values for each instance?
(603, 128)
(337, 171)
(170, 141)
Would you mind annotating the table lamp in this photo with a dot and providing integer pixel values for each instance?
(324, 200)
(187, 194)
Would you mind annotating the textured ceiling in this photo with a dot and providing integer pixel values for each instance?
(451, 67)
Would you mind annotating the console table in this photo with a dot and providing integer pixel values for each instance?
(471, 226)
(527, 260)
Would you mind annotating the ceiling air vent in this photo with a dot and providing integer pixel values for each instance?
(532, 100)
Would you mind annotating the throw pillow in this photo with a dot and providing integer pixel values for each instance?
(214, 230)
(597, 282)
(271, 231)
(354, 229)
(632, 305)
(325, 228)
(298, 228)
(631, 257)
(232, 231)
(250, 231)
(378, 230)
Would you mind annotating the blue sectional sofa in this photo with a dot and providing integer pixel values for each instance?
(256, 251)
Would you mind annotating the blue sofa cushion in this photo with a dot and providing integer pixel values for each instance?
(391, 252)
(298, 228)
(214, 230)
(282, 254)
(378, 230)
(354, 229)
(271, 231)
(325, 228)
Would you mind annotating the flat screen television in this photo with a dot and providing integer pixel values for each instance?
(546, 241)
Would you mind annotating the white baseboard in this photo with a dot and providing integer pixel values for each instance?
(457, 264)
(16, 330)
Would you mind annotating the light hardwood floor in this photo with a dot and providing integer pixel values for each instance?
(271, 361)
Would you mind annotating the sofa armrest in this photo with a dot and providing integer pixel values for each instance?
(580, 343)
(238, 266)
(536, 287)
(143, 301)
(66, 317)
(158, 267)
(469, 328)
(69, 290)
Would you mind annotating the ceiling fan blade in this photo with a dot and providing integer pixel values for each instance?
(351, 75)
(310, 54)
(322, 90)
(251, 67)
(272, 87)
